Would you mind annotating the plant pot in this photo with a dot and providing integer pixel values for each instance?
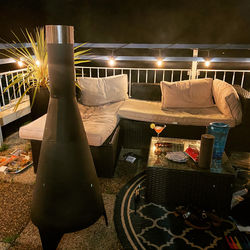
(40, 105)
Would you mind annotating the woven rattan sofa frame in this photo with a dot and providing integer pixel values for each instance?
(137, 134)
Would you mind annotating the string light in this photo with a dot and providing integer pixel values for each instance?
(20, 63)
(111, 61)
(38, 63)
(207, 62)
(159, 62)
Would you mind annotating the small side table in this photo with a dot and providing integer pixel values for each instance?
(169, 183)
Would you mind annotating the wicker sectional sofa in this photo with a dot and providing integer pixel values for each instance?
(126, 123)
(136, 133)
(102, 130)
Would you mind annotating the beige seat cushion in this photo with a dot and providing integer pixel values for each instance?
(99, 122)
(151, 112)
(227, 100)
(100, 91)
(195, 93)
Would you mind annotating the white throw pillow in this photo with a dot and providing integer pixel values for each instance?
(99, 91)
(227, 100)
(195, 93)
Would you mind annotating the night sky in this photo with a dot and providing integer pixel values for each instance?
(134, 21)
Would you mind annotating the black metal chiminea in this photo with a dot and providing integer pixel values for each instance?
(67, 195)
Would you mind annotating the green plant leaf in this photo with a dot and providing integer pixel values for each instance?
(36, 75)
(82, 61)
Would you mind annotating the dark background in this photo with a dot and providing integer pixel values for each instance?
(134, 21)
(137, 21)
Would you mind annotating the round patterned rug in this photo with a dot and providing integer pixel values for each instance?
(142, 225)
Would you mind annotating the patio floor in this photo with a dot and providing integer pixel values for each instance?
(16, 228)
(18, 232)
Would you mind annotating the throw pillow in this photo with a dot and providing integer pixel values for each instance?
(227, 100)
(195, 93)
(99, 91)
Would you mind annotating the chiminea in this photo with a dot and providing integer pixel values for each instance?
(67, 195)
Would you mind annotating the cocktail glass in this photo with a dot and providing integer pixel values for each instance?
(158, 129)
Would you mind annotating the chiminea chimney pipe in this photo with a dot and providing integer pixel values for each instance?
(67, 195)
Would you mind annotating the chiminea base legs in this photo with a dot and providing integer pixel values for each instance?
(50, 240)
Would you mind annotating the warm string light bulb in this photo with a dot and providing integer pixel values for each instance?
(38, 63)
(111, 61)
(207, 63)
(159, 62)
(20, 63)
(207, 60)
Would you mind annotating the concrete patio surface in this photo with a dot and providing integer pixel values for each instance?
(18, 232)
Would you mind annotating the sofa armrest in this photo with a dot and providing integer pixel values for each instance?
(245, 104)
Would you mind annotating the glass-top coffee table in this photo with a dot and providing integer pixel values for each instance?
(171, 183)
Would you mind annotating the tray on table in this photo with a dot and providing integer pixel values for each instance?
(16, 162)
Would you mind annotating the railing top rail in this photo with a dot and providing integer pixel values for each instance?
(121, 68)
(12, 71)
(124, 68)
(224, 70)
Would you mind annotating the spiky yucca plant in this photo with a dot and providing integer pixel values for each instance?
(36, 63)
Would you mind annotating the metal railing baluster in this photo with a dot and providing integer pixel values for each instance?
(242, 79)
(7, 84)
(1, 87)
(233, 78)
(129, 83)
(24, 86)
(13, 87)
(19, 89)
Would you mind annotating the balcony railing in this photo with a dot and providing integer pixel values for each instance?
(10, 97)
(231, 76)
(146, 75)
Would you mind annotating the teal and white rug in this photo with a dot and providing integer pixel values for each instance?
(142, 225)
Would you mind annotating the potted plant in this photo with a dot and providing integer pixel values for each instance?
(35, 79)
